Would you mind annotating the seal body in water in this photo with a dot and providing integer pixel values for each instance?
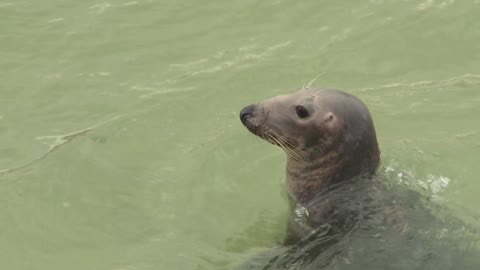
(328, 135)
(342, 214)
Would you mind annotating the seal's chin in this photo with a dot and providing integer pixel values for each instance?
(269, 136)
(260, 131)
(251, 127)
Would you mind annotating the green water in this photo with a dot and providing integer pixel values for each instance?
(120, 143)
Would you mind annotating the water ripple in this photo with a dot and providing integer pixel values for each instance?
(58, 141)
(468, 79)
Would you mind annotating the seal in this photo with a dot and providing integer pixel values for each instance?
(328, 136)
(343, 213)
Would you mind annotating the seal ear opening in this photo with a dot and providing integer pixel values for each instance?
(329, 117)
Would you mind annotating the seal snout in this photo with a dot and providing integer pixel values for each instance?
(246, 113)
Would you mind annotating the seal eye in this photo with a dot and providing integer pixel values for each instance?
(301, 112)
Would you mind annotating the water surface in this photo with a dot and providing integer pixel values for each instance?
(120, 144)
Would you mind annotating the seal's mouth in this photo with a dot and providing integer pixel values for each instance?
(257, 130)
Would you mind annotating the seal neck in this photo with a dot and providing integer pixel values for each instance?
(306, 178)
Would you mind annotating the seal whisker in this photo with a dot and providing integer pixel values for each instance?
(288, 150)
(314, 79)
(284, 144)
(274, 140)
(262, 136)
(291, 153)
(291, 146)
(291, 150)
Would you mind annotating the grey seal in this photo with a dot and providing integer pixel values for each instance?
(328, 135)
(345, 215)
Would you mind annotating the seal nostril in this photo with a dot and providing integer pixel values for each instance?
(246, 112)
(243, 117)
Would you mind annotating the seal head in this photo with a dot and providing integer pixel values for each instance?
(328, 136)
